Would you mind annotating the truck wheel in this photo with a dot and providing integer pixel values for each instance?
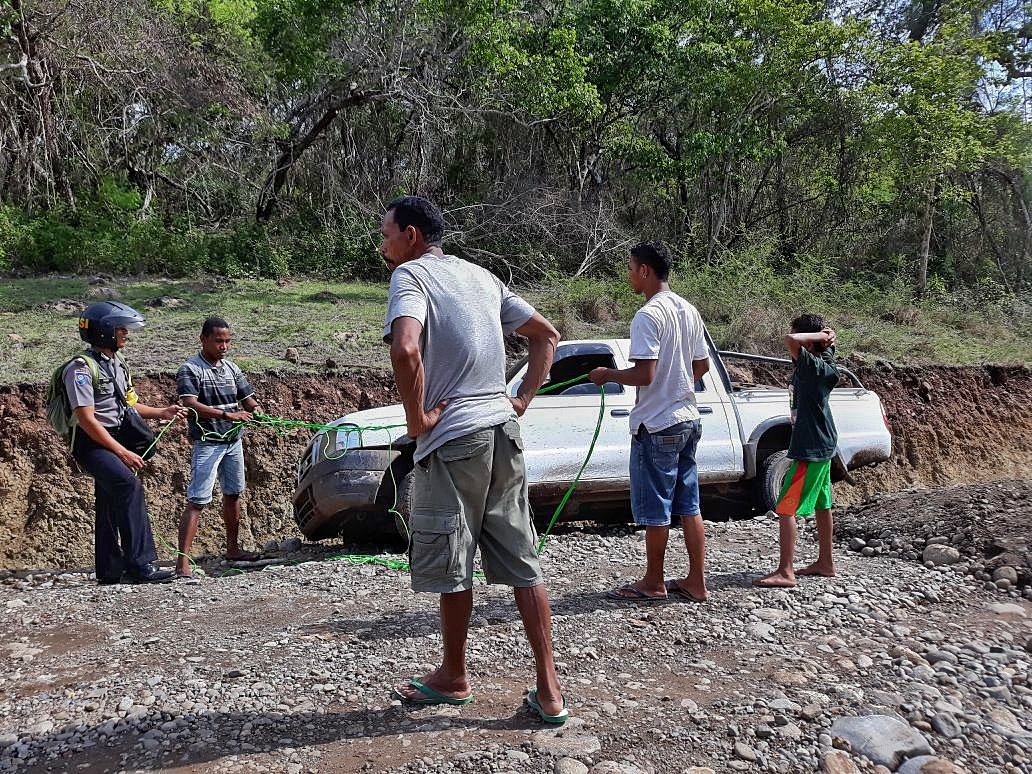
(771, 478)
(401, 511)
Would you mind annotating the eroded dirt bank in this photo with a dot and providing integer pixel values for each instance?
(951, 425)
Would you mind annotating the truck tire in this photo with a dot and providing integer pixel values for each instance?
(401, 512)
(771, 478)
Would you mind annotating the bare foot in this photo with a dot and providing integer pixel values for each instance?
(817, 568)
(551, 701)
(689, 591)
(776, 580)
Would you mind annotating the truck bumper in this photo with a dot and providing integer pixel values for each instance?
(334, 492)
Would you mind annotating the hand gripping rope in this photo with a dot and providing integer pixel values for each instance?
(284, 426)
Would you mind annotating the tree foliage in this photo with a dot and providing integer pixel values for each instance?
(883, 139)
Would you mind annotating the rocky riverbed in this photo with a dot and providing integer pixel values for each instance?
(892, 666)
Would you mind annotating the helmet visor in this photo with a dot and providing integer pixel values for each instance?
(132, 322)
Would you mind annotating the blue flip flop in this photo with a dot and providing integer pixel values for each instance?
(555, 720)
(432, 696)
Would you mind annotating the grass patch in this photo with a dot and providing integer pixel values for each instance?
(321, 321)
(746, 307)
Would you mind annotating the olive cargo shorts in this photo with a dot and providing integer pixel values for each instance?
(472, 491)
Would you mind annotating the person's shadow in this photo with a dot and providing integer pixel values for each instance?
(272, 731)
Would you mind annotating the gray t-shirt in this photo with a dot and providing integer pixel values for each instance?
(82, 392)
(465, 311)
(670, 331)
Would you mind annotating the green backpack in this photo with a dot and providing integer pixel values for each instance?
(59, 408)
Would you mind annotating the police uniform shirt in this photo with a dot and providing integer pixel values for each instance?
(103, 397)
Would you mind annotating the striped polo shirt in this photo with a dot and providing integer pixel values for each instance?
(220, 386)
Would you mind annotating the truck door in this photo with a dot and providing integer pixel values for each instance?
(558, 427)
(720, 454)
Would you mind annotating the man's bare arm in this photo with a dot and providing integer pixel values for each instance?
(796, 341)
(543, 338)
(700, 368)
(410, 376)
(640, 374)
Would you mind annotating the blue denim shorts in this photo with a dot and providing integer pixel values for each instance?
(664, 476)
(210, 460)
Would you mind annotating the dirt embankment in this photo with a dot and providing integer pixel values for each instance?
(46, 509)
(950, 425)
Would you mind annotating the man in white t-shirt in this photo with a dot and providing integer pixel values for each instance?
(669, 352)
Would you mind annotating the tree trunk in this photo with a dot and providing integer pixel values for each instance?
(301, 139)
(926, 240)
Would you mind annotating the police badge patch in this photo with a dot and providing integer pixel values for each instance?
(82, 377)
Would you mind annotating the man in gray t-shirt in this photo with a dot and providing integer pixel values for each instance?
(445, 321)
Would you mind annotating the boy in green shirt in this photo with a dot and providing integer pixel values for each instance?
(807, 487)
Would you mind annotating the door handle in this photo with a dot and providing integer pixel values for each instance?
(705, 409)
(620, 413)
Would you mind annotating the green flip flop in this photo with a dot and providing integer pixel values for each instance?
(432, 696)
(555, 720)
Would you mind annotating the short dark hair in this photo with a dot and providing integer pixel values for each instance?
(808, 323)
(421, 213)
(212, 324)
(656, 256)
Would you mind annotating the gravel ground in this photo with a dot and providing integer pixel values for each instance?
(288, 669)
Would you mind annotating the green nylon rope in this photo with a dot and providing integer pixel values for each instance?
(284, 426)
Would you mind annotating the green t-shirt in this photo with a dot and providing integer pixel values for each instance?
(813, 430)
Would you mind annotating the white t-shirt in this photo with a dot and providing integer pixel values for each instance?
(670, 331)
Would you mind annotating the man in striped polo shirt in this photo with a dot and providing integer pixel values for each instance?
(218, 397)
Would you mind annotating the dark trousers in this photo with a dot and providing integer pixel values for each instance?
(122, 532)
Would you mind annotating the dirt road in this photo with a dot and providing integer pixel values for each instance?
(288, 669)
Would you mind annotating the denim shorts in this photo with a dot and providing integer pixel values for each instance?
(208, 460)
(664, 476)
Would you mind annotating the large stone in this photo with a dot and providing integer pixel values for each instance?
(1006, 573)
(929, 764)
(744, 751)
(939, 554)
(1003, 720)
(945, 724)
(885, 740)
(612, 767)
(838, 762)
(566, 743)
(1007, 608)
(570, 766)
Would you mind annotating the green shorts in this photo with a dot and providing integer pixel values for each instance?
(472, 492)
(807, 488)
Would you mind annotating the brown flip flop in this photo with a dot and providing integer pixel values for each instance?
(630, 594)
(673, 587)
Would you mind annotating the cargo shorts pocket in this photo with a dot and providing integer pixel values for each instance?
(434, 546)
(512, 431)
(462, 449)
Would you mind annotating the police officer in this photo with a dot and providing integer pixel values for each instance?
(123, 543)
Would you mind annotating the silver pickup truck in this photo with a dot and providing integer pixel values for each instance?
(359, 483)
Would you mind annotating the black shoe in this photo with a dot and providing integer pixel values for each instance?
(151, 573)
(109, 581)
